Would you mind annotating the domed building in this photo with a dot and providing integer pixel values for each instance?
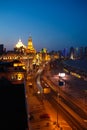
(20, 44)
(20, 47)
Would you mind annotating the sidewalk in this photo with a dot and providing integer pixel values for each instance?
(38, 108)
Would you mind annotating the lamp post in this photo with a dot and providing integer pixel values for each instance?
(57, 111)
(85, 96)
(60, 83)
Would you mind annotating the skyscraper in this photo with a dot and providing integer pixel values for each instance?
(1, 48)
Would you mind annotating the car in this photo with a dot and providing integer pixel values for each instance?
(44, 116)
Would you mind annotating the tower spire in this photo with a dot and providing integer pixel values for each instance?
(30, 47)
(30, 43)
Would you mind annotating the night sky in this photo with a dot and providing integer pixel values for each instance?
(53, 24)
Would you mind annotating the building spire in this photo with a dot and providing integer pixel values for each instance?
(30, 43)
(30, 47)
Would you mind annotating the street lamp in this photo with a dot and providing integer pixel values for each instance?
(61, 83)
(62, 75)
(57, 111)
(85, 96)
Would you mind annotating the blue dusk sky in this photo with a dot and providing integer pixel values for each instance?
(53, 24)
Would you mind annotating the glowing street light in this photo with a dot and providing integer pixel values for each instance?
(61, 75)
(61, 79)
(61, 83)
(38, 92)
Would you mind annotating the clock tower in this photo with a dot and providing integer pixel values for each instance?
(30, 48)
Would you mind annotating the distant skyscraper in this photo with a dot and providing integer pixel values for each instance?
(81, 52)
(72, 53)
(65, 52)
(76, 52)
(85, 51)
(1, 48)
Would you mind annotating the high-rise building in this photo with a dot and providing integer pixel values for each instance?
(72, 53)
(1, 48)
(81, 52)
(65, 53)
(85, 52)
(76, 53)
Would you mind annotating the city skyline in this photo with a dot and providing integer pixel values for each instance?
(53, 24)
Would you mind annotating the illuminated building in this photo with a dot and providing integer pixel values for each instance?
(26, 54)
(30, 48)
(21, 52)
(9, 56)
(44, 54)
(72, 51)
(14, 71)
(20, 47)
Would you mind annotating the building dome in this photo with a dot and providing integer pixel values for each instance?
(20, 44)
